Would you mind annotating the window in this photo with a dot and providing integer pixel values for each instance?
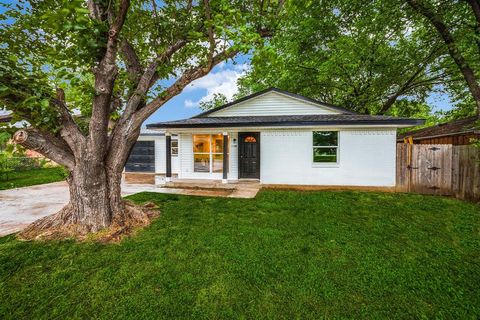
(208, 153)
(325, 146)
(174, 148)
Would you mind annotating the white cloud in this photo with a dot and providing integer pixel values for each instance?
(189, 103)
(222, 80)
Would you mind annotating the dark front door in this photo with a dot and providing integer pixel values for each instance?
(249, 155)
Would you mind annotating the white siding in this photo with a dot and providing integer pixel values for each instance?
(185, 156)
(366, 158)
(233, 160)
(271, 104)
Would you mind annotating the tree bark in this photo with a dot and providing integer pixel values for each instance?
(90, 196)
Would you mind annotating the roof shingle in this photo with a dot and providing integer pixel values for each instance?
(286, 120)
(461, 126)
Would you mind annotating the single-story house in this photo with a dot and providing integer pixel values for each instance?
(277, 138)
(456, 132)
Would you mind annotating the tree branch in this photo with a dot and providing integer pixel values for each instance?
(409, 84)
(475, 5)
(189, 76)
(211, 37)
(453, 49)
(132, 62)
(149, 77)
(47, 145)
(70, 131)
(105, 75)
(114, 32)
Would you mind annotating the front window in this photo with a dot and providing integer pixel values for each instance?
(208, 153)
(325, 146)
(174, 148)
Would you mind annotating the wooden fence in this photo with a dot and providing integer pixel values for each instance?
(440, 169)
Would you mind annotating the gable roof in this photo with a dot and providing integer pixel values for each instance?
(292, 95)
(287, 121)
(456, 127)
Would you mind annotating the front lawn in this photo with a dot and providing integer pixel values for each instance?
(283, 255)
(31, 177)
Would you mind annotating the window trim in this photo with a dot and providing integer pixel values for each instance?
(337, 147)
(172, 153)
(211, 153)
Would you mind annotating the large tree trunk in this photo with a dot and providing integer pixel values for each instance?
(90, 196)
(95, 205)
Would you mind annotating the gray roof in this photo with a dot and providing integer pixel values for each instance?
(287, 120)
(149, 132)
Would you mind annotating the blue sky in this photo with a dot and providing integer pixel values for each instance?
(222, 79)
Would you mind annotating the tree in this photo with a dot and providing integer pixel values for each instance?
(458, 51)
(86, 75)
(365, 56)
(218, 100)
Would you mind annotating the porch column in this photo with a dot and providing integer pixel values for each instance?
(168, 155)
(225, 157)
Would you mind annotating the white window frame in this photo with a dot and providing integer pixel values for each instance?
(211, 153)
(174, 154)
(337, 147)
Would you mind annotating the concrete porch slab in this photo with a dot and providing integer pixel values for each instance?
(237, 188)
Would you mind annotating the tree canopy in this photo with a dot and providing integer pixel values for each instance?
(370, 56)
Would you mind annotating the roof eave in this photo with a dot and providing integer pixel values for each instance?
(397, 123)
(439, 135)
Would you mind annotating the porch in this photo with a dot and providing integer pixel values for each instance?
(231, 189)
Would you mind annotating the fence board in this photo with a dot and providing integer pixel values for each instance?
(439, 169)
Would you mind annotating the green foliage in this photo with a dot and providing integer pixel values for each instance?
(4, 138)
(49, 44)
(6, 166)
(218, 100)
(359, 54)
(282, 255)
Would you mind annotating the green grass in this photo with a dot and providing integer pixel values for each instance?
(282, 255)
(32, 177)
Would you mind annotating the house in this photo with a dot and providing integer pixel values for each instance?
(277, 138)
(457, 132)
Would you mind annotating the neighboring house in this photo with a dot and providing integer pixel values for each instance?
(5, 118)
(276, 137)
(457, 132)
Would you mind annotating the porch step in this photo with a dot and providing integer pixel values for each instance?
(204, 185)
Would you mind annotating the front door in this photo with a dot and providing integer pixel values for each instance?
(249, 155)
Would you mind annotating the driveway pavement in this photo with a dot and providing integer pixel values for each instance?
(21, 206)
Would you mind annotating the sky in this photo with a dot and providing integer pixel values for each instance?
(222, 79)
